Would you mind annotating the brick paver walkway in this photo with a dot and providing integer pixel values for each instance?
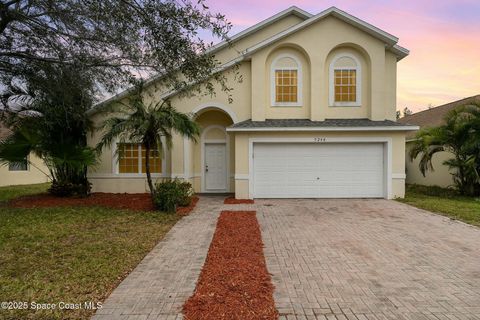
(163, 281)
(369, 259)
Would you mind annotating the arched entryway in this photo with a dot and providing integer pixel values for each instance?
(213, 154)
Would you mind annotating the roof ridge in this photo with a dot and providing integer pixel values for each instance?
(374, 31)
(265, 22)
(239, 35)
(309, 19)
(441, 106)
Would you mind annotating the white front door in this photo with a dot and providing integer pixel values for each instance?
(215, 167)
(308, 170)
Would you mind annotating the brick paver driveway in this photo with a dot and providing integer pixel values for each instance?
(329, 259)
(369, 259)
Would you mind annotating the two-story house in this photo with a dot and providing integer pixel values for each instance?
(314, 116)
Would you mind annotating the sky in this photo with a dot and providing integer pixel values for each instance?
(443, 37)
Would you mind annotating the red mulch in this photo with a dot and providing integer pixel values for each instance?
(232, 200)
(234, 282)
(131, 201)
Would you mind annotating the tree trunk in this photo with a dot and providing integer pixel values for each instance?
(147, 170)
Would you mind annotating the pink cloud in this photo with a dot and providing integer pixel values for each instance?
(442, 35)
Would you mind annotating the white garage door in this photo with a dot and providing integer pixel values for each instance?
(307, 170)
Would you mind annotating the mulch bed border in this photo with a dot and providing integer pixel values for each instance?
(234, 282)
(121, 201)
(232, 200)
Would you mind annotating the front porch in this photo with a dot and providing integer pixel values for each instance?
(209, 162)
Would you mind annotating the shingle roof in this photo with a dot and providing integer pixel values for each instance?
(306, 123)
(434, 116)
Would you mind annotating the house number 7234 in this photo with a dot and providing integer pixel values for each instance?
(319, 139)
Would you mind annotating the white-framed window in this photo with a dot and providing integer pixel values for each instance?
(19, 165)
(286, 81)
(132, 159)
(345, 81)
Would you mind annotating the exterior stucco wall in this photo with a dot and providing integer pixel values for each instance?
(105, 177)
(230, 53)
(441, 176)
(33, 175)
(317, 43)
(240, 105)
(242, 161)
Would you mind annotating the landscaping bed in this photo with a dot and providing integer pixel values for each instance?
(234, 282)
(130, 201)
(232, 200)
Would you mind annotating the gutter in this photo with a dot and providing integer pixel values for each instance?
(271, 129)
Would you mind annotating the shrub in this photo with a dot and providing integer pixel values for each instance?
(68, 189)
(171, 193)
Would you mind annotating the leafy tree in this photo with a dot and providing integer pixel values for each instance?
(114, 39)
(146, 123)
(57, 57)
(407, 111)
(49, 120)
(460, 135)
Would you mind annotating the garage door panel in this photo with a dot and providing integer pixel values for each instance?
(302, 170)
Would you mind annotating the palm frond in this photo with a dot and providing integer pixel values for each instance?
(17, 146)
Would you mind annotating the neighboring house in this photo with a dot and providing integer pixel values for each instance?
(314, 116)
(30, 171)
(441, 176)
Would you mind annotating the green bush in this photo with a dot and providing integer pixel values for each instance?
(171, 193)
(68, 189)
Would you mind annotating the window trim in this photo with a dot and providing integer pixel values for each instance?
(116, 164)
(331, 81)
(273, 69)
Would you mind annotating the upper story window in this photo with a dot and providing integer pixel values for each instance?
(345, 81)
(132, 159)
(286, 81)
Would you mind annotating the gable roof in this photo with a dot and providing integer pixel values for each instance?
(434, 116)
(293, 10)
(296, 11)
(389, 40)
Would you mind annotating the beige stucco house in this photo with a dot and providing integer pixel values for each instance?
(441, 175)
(32, 170)
(313, 117)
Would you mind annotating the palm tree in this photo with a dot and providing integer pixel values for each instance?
(147, 124)
(459, 136)
(47, 117)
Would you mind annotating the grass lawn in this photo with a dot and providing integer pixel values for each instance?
(71, 255)
(445, 202)
(11, 192)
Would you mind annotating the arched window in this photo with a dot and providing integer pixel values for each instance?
(345, 81)
(286, 81)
